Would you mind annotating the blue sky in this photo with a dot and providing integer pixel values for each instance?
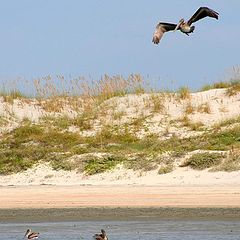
(94, 37)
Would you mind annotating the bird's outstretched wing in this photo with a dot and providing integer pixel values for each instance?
(33, 236)
(161, 28)
(202, 12)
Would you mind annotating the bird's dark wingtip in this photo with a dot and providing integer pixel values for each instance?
(215, 14)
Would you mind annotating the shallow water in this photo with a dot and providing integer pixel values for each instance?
(135, 230)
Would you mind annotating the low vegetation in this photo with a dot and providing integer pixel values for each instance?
(184, 93)
(189, 109)
(96, 165)
(230, 163)
(3, 121)
(217, 85)
(32, 143)
(59, 138)
(166, 169)
(232, 86)
(202, 161)
(10, 96)
(157, 101)
(204, 108)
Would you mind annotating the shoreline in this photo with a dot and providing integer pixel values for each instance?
(117, 203)
(118, 214)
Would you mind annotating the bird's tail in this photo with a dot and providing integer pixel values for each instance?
(192, 29)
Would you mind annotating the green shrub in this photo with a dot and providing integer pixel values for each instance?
(99, 165)
(165, 169)
(202, 161)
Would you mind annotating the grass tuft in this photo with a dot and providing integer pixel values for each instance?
(10, 96)
(184, 93)
(217, 85)
(189, 109)
(234, 88)
(157, 102)
(96, 165)
(204, 108)
(165, 169)
(202, 161)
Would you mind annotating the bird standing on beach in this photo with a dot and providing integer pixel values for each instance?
(31, 235)
(184, 27)
(101, 236)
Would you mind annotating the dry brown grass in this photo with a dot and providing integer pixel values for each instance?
(184, 93)
(234, 87)
(204, 108)
(56, 92)
(112, 86)
(3, 121)
(189, 109)
(185, 120)
(157, 102)
(117, 115)
(193, 126)
(10, 96)
(231, 162)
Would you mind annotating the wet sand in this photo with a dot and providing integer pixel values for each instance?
(117, 214)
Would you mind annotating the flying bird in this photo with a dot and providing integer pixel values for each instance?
(101, 236)
(31, 235)
(184, 27)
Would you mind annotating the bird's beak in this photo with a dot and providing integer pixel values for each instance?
(26, 234)
(177, 27)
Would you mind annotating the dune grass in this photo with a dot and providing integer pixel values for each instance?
(51, 140)
(230, 163)
(11, 95)
(201, 161)
(184, 93)
(232, 86)
(217, 85)
(33, 143)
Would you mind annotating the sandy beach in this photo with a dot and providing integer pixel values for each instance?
(181, 188)
(119, 196)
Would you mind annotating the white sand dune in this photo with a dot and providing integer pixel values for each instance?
(222, 107)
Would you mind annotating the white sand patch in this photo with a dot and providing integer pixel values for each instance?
(44, 174)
